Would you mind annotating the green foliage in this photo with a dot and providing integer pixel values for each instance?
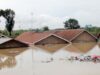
(46, 28)
(15, 33)
(1, 12)
(9, 15)
(38, 30)
(93, 29)
(72, 24)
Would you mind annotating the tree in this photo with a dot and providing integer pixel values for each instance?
(72, 24)
(1, 12)
(9, 16)
(46, 28)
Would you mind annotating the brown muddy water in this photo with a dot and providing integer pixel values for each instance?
(35, 60)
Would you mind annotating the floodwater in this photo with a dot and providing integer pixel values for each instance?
(49, 60)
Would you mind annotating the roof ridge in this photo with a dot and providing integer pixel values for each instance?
(74, 29)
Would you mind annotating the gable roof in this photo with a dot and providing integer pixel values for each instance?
(4, 45)
(71, 34)
(68, 35)
(4, 38)
(10, 39)
(33, 37)
(52, 35)
(25, 37)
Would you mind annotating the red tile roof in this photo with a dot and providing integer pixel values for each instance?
(32, 37)
(69, 34)
(25, 37)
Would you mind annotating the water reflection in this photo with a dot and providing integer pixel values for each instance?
(64, 51)
(12, 51)
(23, 61)
(7, 57)
(51, 48)
(81, 47)
(7, 62)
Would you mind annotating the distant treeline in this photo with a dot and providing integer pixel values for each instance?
(15, 33)
(68, 24)
(93, 29)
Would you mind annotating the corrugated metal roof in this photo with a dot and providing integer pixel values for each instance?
(2, 40)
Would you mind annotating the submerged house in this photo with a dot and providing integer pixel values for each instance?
(57, 37)
(41, 38)
(6, 42)
(77, 35)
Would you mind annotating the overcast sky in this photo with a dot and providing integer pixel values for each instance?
(52, 13)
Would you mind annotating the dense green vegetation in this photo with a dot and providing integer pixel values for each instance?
(15, 33)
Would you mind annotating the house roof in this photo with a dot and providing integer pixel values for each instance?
(7, 39)
(2, 40)
(69, 34)
(52, 35)
(32, 37)
(25, 37)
